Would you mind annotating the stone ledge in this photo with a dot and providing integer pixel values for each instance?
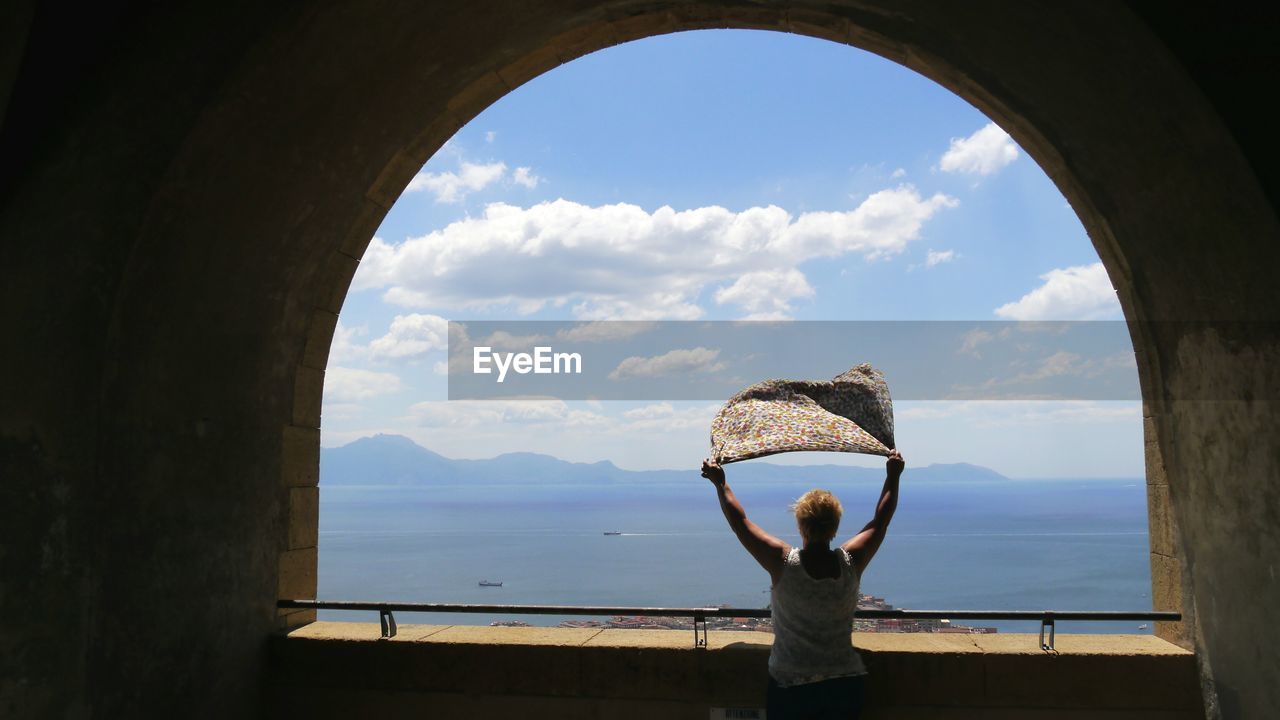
(1130, 675)
(1067, 644)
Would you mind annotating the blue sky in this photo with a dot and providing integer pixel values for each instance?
(721, 175)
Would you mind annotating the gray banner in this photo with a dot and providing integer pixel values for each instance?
(711, 360)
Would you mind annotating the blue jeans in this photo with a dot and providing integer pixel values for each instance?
(837, 698)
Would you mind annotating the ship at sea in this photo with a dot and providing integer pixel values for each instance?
(490, 583)
(612, 532)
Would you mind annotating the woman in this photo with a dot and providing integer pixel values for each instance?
(814, 672)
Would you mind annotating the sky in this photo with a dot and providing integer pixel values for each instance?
(721, 175)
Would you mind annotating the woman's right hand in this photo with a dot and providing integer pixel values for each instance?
(712, 471)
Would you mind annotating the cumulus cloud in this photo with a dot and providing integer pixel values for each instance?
(451, 187)
(1063, 363)
(604, 331)
(1059, 364)
(973, 340)
(766, 294)
(665, 418)
(1082, 292)
(1021, 413)
(342, 412)
(982, 153)
(675, 362)
(347, 385)
(524, 176)
(489, 413)
(503, 340)
(344, 347)
(411, 336)
(621, 262)
(937, 257)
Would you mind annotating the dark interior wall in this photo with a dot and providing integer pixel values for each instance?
(183, 210)
(1230, 53)
(138, 558)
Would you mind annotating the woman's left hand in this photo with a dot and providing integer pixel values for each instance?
(895, 463)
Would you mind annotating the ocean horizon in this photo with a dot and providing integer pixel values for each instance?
(1063, 544)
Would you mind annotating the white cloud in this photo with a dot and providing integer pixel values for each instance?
(1019, 413)
(503, 340)
(651, 306)
(621, 262)
(1082, 292)
(973, 340)
(664, 418)
(346, 385)
(604, 331)
(342, 412)
(524, 176)
(344, 347)
(449, 187)
(505, 417)
(675, 362)
(411, 336)
(487, 414)
(1062, 363)
(983, 153)
(766, 294)
(900, 172)
(937, 257)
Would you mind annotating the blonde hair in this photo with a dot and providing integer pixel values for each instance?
(818, 515)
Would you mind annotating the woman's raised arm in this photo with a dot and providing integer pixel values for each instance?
(863, 546)
(765, 548)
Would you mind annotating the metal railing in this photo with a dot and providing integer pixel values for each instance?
(1047, 618)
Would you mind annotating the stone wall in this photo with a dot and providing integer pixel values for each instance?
(342, 670)
(186, 191)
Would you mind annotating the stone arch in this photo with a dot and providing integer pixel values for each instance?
(228, 177)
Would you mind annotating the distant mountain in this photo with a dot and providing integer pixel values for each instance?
(382, 460)
(397, 460)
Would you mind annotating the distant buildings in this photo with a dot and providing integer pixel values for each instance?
(865, 602)
(903, 625)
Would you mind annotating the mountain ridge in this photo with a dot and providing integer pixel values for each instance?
(386, 459)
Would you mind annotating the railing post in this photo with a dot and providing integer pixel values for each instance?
(1047, 622)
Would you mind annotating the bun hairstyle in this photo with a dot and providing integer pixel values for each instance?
(818, 515)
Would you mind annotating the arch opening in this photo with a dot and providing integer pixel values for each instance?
(421, 177)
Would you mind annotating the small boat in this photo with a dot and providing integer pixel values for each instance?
(490, 583)
(612, 532)
(1143, 626)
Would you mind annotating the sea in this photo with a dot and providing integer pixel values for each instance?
(1059, 544)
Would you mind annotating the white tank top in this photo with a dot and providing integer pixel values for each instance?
(813, 624)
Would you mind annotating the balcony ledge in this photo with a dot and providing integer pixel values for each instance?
(331, 669)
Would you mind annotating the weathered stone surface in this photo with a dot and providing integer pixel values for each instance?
(304, 517)
(300, 456)
(629, 672)
(178, 196)
(308, 393)
(1161, 525)
(297, 574)
(315, 353)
